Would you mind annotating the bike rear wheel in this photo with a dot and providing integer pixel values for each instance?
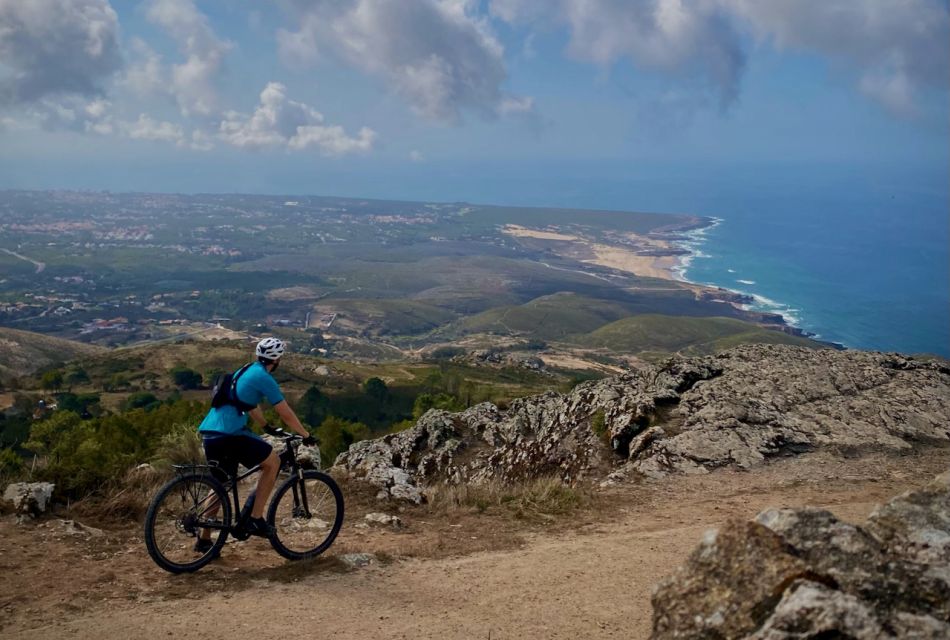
(306, 513)
(176, 517)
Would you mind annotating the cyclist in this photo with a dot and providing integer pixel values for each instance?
(228, 441)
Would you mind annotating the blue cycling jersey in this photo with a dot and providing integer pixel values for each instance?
(254, 385)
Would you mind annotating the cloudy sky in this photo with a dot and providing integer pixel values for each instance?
(529, 101)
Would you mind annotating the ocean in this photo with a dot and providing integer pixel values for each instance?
(866, 266)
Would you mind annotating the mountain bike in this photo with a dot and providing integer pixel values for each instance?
(305, 513)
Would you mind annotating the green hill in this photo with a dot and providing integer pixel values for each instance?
(24, 352)
(694, 336)
(549, 317)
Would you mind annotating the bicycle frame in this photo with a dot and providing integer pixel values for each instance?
(288, 460)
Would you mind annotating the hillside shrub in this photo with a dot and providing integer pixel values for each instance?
(598, 424)
(81, 455)
(313, 407)
(336, 435)
(52, 379)
(11, 464)
(444, 401)
(185, 378)
(83, 404)
(142, 400)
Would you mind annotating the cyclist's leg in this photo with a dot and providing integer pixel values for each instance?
(265, 484)
(252, 451)
(225, 467)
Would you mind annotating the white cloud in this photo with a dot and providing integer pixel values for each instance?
(278, 121)
(51, 48)
(147, 128)
(416, 156)
(670, 36)
(146, 75)
(192, 81)
(896, 47)
(435, 53)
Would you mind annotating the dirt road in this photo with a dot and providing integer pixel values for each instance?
(591, 580)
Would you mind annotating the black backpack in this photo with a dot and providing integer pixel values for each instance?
(224, 391)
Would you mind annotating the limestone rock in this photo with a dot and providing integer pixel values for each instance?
(357, 560)
(74, 528)
(686, 415)
(802, 573)
(29, 498)
(383, 519)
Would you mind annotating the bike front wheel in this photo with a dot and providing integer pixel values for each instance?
(176, 517)
(306, 513)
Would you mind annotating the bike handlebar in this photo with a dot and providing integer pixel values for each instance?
(277, 432)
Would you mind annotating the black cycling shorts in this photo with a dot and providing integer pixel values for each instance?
(227, 451)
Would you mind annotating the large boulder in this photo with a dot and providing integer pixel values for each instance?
(802, 573)
(29, 499)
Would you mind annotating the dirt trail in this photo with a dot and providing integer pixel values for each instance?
(590, 581)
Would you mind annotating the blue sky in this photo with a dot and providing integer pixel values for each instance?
(521, 101)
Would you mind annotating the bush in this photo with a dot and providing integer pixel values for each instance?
(444, 401)
(376, 390)
(81, 404)
(181, 445)
(11, 464)
(52, 379)
(82, 455)
(313, 407)
(186, 378)
(598, 424)
(142, 400)
(336, 435)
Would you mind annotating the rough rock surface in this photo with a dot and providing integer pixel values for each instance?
(802, 573)
(685, 416)
(29, 498)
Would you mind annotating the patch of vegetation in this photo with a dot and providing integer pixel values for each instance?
(679, 334)
(537, 499)
(598, 424)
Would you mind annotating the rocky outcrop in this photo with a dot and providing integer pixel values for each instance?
(737, 409)
(29, 499)
(802, 573)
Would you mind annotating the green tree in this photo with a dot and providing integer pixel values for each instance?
(76, 376)
(80, 404)
(116, 383)
(313, 407)
(444, 401)
(11, 464)
(52, 379)
(336, 435)
(142, 400)
(186, 378)
(376, 390)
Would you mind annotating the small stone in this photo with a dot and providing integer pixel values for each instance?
(357, 560)
(383, 519)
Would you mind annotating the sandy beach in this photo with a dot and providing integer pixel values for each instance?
(633, 253)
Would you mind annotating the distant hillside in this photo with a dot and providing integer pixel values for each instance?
(692, 336)
(24, 352)
(549, 317)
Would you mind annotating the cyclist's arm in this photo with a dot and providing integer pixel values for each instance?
(289, 418)
(257, 416)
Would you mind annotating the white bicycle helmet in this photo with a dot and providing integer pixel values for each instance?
(270, 348)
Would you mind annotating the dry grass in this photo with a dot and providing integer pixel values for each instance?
(181, 445)
(125, 499)
(537, 499)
